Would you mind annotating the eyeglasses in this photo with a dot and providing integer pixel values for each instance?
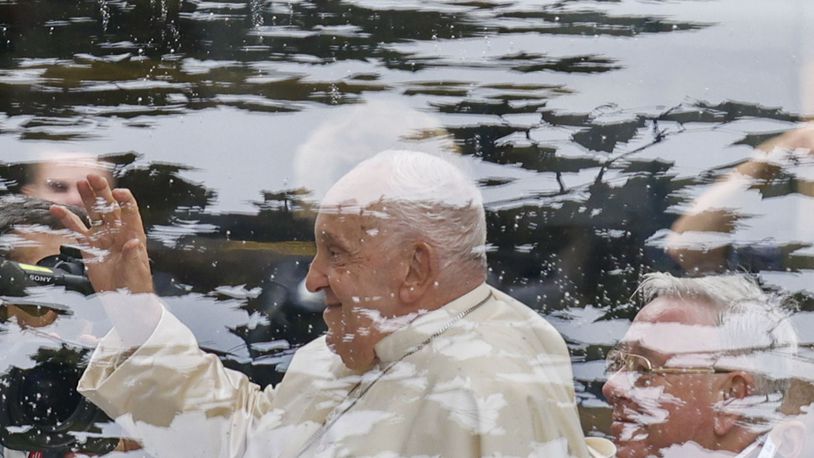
(619, 360)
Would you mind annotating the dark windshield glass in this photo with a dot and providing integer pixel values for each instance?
(606, 140)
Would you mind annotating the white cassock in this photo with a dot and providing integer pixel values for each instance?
(483, 376)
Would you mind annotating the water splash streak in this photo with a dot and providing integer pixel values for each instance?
(104, 12)
(256, 12)
(163, 11)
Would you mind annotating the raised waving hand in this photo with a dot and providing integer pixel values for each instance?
(113, 243)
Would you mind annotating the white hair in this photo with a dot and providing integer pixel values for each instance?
(717, 289)
(422, 195)
(754, 327)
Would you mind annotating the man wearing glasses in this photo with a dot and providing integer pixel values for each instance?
(703, 371)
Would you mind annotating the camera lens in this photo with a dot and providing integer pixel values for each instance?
(40, 408)
(46, 394)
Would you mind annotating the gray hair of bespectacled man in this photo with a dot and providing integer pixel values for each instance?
(426, 197)
(754, 326)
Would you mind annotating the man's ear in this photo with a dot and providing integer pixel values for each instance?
(734, 387)
(422, 271)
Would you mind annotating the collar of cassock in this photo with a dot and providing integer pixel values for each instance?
(411, 335)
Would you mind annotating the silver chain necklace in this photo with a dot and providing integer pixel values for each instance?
(352, 400)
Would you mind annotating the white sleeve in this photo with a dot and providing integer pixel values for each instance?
(175, 398)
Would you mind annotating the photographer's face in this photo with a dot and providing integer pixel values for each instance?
(55, 180)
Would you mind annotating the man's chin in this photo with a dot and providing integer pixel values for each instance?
(628, 432)
(643, 449)
(635, 449)
(631, 440)
(330, 340)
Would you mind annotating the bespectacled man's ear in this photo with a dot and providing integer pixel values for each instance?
(733, 387)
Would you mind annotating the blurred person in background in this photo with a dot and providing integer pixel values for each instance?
(704, 371)
(703, 239)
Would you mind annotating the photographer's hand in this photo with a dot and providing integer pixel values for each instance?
(114, 248)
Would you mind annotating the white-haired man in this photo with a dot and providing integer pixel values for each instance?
(703, 371)
(421, 358)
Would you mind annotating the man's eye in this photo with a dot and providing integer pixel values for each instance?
(57, 185)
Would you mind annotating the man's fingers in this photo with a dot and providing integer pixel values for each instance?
(88, 200)
(130, 216)
(69, 219)
(107, 207)
(131, 247)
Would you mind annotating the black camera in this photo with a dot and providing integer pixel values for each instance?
(40, 409)
(64, 269)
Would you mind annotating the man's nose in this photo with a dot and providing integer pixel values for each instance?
(316, 280)
(73, 198)
(618, 386)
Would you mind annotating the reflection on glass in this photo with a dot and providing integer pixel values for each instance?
(609, 139)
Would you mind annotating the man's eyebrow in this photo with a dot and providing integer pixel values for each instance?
(656, 357)
(331, 238)
(635, 347)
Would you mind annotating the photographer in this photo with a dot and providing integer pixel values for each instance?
(28, 234)
(31, 241)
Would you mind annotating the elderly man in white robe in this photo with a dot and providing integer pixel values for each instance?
(421, 358)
